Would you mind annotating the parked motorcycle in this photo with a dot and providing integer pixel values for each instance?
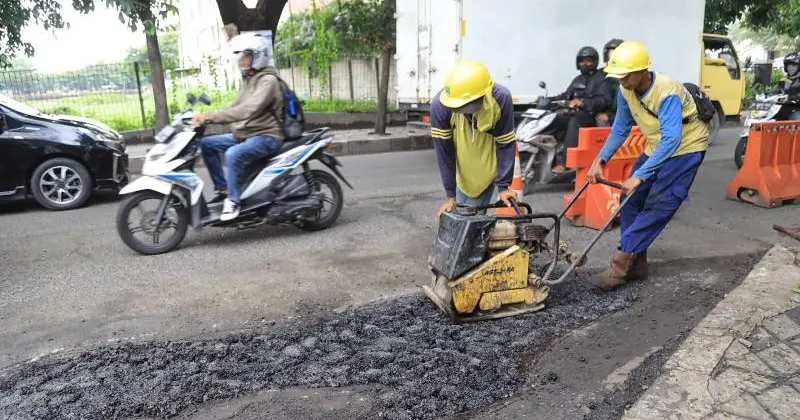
(778, 107)
(276, 190)
(538, 143)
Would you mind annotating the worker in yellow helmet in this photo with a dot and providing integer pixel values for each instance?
(677, 141)
(472, 125)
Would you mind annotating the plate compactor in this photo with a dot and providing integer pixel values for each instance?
(493, 266)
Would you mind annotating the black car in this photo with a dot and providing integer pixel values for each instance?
(59, 160)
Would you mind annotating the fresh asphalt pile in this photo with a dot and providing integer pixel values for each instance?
(417, 362)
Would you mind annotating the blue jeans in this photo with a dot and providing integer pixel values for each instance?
(653, 204)
(237, 156)
(482, 200)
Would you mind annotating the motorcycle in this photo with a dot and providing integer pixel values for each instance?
(280, 189)
(779, 107)
(538, 143)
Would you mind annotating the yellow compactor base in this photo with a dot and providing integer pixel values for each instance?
(498, 288)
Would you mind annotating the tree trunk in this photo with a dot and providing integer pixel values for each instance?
(265, 16)
(383, 91)
(157, 77)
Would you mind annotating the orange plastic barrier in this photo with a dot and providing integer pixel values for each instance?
(599, 202)
(770, 175)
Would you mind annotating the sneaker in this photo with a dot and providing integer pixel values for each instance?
(230, 211)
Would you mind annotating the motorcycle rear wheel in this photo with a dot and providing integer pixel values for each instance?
(337, 200)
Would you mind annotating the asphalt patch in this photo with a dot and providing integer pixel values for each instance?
(418, 364)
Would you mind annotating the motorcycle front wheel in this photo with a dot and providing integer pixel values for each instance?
(133, 218)
(738, 154)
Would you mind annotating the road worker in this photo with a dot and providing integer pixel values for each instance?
(660, 180)
(473, 130)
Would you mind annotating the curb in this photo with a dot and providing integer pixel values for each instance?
(686, 388)
(343, 148)
(333, 120)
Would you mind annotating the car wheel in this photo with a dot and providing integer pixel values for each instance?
(61, 184)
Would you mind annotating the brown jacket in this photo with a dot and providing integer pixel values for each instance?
(255, 109)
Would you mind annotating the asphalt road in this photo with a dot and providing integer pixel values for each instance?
(67, 283)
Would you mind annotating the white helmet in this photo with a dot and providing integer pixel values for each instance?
(259, 44)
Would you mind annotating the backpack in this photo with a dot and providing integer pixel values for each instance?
(293, 120)
(705, 108)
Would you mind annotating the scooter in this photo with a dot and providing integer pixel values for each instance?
(275, 190)
(538, 144)
(778, 107)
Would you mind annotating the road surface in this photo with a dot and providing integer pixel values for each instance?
(68, 285)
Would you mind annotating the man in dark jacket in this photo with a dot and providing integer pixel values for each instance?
(604, 119)
(589, 94)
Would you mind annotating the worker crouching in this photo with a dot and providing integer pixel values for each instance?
(472, 125)
(677, 141)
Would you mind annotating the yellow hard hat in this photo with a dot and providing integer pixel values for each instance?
(629, 57)
(468, 81)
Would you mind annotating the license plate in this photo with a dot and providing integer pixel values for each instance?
(533, 113)
(165, 134)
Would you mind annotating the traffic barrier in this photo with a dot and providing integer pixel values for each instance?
(517, 185)
(770, 175)
(598, 203)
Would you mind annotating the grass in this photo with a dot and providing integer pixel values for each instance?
(122, 110)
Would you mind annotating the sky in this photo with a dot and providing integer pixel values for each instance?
(92, 38)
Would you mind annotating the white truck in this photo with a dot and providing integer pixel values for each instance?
(526, 41)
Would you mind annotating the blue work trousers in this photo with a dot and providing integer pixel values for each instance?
(237, 156)
(653, 204)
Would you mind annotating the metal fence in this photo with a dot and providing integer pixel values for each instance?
(354, 80)
(121, 95)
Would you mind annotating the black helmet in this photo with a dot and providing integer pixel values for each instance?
(610, 45)
(793, 60)
(586, 52)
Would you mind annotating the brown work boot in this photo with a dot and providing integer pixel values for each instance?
(618, 272)
(639, 267)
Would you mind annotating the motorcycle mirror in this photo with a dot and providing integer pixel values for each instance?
(205, 99)
(191, 98)
(542, 84)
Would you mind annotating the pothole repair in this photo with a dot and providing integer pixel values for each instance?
(417, 363)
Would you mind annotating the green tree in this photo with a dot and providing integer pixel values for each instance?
(368, 28)
(766, 36)
(167, 43)
(146, 14)
(15, 15)
(781, 17)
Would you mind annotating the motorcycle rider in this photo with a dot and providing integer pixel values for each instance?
(603, 119)
(473, 130)
(791, 87)
(257, 131)
(595, 98)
